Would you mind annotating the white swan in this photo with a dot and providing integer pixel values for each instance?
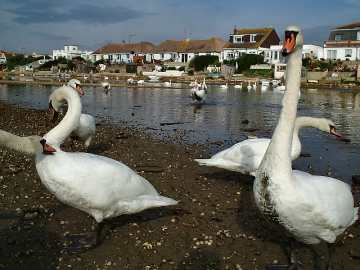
(249, 87)
(106, 86)
(198, 94)
(238, 86)
(310, 208)
(245, 156)
(203, 85)
(87, 127)
(140, 82)
(254, 86)
(224, 86)
(167, 84)
(97, 185)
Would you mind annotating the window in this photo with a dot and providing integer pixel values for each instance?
(331, 54)
(276, 55)
(252, 38)
(239, 39)
(358, 35)
(338, 37)
(348, 52)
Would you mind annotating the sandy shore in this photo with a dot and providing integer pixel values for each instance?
(215, 226)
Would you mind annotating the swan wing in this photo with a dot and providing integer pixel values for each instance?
(323, 207)
(91, 181)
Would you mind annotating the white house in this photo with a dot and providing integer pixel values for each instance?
(250, 41)
(2, 58)
(343, 43)
(309, 51)
(71, 51)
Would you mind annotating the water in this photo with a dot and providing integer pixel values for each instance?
(218, 123)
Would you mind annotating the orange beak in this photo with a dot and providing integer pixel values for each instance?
(289, 44)
(47, 149)
(79, 90)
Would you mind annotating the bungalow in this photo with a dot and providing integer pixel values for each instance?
(118, 53)
(250, 41)
(343, 43)
(182, 51)
(309, 51)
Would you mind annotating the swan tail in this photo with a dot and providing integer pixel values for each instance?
(206, 162)
(157, 201)
(88, 141)
(356, 215)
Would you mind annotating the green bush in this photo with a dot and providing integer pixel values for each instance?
(191, 72)
(171, 68)
(259, 72)
(201, 62)
(245, 61)
(181, 68)
(19, 60)
(61, 60)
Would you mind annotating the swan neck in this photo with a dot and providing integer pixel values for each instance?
(17, 143)
(59, 133)
(278, 154)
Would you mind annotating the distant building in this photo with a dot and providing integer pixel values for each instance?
(2, 58)
(250, 41)
(183, 51)
(180, 51)
(71, 51)
(309, 51)
(343, 43)
(118, 53)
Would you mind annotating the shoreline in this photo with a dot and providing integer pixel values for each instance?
(215, 226)
(122, 83)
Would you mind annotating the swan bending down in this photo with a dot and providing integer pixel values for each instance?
(198, 94)
(87, 126)
(245, 156)
(310, 208)
(97, 185)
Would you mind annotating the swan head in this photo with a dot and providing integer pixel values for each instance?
(40, 146)
(76, 85)
(293, 40)
(328, 126)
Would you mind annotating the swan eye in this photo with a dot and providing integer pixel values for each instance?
(290, 34)
(43, 142)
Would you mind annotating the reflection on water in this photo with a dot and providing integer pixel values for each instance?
(223, 117)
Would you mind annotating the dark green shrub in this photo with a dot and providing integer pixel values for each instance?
(245, 61)
(201, 62)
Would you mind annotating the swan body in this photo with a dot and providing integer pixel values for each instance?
(198, 95)
(249, 87)
(238, 86)
(308, 207)
(86, 128)
(245, 157)
(224, 86)
(140, 82)
(254, 86)
(97, 185)
(106, 85)
(167, 84)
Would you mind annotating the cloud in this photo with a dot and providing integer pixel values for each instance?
(40, 11)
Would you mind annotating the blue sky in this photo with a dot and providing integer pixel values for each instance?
(43, 25)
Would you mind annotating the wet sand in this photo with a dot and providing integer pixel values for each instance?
(215, 226)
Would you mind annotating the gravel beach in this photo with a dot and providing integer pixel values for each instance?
(215, 226)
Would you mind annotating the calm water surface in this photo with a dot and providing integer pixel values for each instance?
(220, 118)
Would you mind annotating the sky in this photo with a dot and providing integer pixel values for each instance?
(44, 25)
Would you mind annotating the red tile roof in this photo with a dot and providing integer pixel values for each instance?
(142, 47)
(195, 46)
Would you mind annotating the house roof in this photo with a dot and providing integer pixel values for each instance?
(349, 26)
(125, 48)
(263, 35)
(196, 46)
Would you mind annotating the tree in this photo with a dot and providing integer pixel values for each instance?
(245, 61)
(201, 62)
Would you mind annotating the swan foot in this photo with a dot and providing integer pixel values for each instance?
(78, 243)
